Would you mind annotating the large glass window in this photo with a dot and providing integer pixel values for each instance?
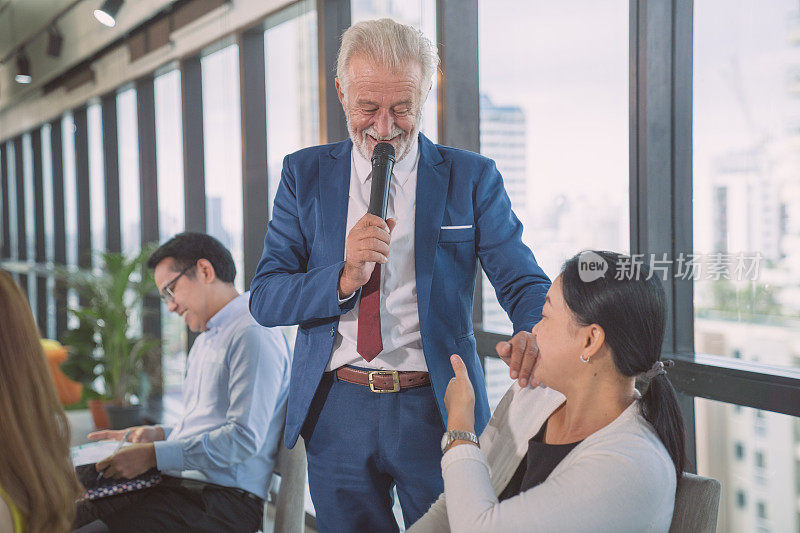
(422, 15)
(171, 220)
(754, 456)
(556, 124)
(97, 190)
(30, 219)
(746, 190)
(222, 136)
(3, 189)
(128, 140)
(11, 182)
(130, 204)
(169, 153)
(70, 206)
(70, 188)
(292, 88)
(3, 192)
(49, 225)
(746, 275)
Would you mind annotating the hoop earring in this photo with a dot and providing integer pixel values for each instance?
(584, 360)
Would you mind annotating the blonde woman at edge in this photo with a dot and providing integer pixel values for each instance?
(38, 487)
(583, 450)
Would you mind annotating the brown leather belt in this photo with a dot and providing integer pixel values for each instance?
(383, 380)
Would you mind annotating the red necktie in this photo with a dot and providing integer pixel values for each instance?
(369, 342)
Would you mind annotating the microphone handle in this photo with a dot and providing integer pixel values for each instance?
(379, 193)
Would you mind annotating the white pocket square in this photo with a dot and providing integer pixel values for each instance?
(457, 227)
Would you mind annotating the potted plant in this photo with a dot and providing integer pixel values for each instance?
(84, 365)
(106, 352)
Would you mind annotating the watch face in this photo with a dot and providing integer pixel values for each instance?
(445, 440)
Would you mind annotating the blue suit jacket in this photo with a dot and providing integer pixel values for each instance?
(297, 277)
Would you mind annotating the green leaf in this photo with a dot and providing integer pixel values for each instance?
(104, 343)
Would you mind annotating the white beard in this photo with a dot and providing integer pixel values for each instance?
(401, 150)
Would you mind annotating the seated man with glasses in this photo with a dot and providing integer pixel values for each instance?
(217, 461)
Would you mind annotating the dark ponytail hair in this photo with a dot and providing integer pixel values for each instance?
(631, 310)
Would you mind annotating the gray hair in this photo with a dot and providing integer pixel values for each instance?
(389, 43)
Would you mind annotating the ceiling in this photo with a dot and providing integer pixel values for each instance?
(19, 19)
(24, 22)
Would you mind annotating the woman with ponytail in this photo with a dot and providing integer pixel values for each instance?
(38, 487)
(581, 449)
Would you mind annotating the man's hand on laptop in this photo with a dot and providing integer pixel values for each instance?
(138, 434)
(129, 462)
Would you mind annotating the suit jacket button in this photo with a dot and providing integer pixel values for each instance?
(333, 331)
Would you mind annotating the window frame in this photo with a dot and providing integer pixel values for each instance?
(661, 85)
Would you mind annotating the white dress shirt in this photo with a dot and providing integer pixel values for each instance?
(400, 333)
(234, 403)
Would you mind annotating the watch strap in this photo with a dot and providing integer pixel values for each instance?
(454, 435)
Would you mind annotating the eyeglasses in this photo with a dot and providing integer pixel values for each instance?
(166, 294)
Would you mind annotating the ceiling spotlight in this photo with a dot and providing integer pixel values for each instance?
(23, 69)
(107, 14)
(54, 41)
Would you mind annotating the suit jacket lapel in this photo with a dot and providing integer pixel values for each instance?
(334, 195)
(433, 180)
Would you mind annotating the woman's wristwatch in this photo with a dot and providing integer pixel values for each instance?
(452, 435)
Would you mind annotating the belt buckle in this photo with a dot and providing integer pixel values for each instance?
(395, 379)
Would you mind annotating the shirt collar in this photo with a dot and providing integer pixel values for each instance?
(230, 312)
(402, 170)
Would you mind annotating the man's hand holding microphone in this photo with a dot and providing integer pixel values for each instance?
(368, 242)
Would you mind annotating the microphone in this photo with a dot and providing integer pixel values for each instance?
(382, 164)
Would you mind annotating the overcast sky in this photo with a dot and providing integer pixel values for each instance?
(566, 65)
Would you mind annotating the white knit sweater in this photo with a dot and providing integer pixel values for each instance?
(618, 479)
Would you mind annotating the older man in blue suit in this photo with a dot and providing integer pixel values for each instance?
(381, 305)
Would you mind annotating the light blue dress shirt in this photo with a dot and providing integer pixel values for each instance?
(234, 404)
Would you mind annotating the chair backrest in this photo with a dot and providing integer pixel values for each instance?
(696, 505)
(290, 465)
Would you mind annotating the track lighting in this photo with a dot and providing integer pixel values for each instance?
(23, 68)
(54, 41)
(107, 14)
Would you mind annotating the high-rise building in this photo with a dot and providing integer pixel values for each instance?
(747, 209)
(214, 223)
(503, 139)
(754, 454)
(755, 208)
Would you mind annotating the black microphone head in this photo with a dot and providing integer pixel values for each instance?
(383, 151)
